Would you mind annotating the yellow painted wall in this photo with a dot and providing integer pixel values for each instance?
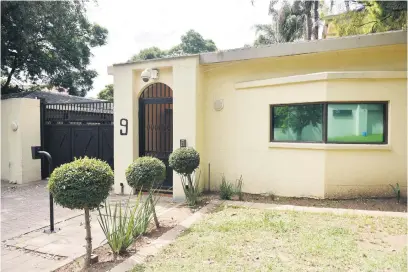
(369, 172)
(237, 138)
(17, 166)
(182, 76)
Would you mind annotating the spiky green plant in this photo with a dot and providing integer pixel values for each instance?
(397, 192)
(227, 189)
(122, 226)
(238, 188)
(192, 190)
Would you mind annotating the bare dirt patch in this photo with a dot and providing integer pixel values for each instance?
(374, 204)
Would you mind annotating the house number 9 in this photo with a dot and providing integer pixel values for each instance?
(124, 124)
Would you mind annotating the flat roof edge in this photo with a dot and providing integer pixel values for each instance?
(306, 47)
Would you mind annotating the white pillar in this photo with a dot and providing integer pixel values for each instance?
(124, 126)
(185, 78)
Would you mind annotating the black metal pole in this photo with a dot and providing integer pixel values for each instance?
(49, 158)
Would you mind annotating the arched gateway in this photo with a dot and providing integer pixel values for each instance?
(156, 125)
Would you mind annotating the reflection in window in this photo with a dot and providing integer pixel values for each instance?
(355, 123)
(298, 123)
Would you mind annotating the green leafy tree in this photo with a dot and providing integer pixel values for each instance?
(374, 16)
(106, 93)
(191, 43)
(48, 42)
(296, 118)
(82, 184)
(149, 53)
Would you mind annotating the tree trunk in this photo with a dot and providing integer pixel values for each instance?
(5, 86)
(316, 20)
(299, 135)
(88, 239)
(10, 75)
(156, 221)
(308, 31)
(190, 182)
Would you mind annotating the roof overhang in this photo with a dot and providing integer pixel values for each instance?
(306, 47)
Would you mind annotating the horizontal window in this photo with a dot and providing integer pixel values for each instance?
(298, 123)
(330, 123)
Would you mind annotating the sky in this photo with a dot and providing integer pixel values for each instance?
(134, 25)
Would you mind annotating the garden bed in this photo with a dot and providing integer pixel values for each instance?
(242, 239)
(374, 204)
(105, 262)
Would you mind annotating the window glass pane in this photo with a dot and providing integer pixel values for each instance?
(358, 123)
(298, 123)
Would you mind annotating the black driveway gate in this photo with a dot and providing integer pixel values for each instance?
(76, 130)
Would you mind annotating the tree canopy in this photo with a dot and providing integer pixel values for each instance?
(375, 16)
(301, 19)
(191, 43)
(106, 93)
(48, 42)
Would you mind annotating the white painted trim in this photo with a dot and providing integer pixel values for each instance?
(287, 49)
(306, 47)
(324, 76)
(321, 146)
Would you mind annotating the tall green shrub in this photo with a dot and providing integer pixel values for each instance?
(82, 184)
(149, 173)
(185, 161)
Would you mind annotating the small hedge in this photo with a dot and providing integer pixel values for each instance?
(184, 160)
(83, 183)
(145, 171)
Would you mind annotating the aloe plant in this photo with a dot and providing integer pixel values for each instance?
(397, 191)
(227, 189)
(122, 226)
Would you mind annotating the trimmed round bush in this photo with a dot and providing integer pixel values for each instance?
(145, 171)
(184, 160)
(83, 183)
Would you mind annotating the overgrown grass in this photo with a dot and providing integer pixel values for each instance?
(253, 240)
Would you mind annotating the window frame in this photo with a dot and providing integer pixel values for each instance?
(385, 106)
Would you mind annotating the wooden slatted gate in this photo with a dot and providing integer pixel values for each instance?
(76, 130)
(156, 126)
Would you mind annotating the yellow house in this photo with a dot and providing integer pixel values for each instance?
(324, 119)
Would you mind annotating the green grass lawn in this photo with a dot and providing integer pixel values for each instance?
(373, 138)
(239, 239)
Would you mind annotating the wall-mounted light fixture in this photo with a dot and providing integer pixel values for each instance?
(14, 126)
(219, 104)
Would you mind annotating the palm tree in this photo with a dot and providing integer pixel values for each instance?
(287, 24)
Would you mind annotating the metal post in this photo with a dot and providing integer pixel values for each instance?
(209, 177)
(49, 158)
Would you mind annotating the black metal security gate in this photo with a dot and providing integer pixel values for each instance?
(76, 130)
(156, 125)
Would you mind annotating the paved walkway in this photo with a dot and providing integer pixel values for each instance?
(26, 207)
(25, 216)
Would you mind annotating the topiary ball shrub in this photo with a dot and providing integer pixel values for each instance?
(184, 160)
(145, 171)
(83, 183)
